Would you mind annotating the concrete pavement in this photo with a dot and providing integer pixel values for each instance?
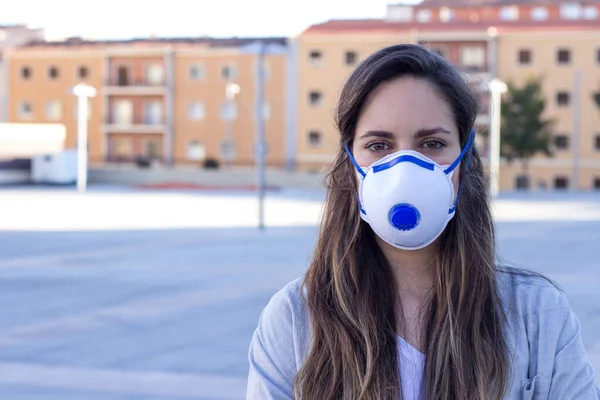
(122, 295)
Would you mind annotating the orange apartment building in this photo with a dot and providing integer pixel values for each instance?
(12, 36)
(165, 98)
(161, 99)
(511, 40)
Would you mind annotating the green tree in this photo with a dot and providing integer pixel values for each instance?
(525, 131)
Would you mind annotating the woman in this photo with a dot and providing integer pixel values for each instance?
(403, 298)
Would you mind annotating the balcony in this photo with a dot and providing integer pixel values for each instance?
(135, 126)
(141, 88)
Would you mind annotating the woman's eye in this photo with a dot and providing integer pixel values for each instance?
(433, 145)
(378, 147)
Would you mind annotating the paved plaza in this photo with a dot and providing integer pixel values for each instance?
(127, 294)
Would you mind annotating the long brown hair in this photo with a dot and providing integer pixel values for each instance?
(350, 290)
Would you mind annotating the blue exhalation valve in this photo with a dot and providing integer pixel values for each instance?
(404, 217)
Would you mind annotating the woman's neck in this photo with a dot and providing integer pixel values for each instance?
(414, 274)
(413, 270)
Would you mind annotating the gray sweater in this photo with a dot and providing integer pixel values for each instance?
(543, 335)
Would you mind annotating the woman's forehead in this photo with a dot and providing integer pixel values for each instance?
(405, 105)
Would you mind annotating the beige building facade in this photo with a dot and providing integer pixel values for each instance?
(158, 100)
(39, 90)
(558, 56)
(12, 36)
(556, 41)
(165, 99)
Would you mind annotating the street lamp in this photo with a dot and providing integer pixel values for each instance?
(260, 49)
(497, 88)
(83, 93)
(231, 90)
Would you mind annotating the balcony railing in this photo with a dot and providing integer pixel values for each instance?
(136, 125)
(132, 87)
(133, 82)
(141, 160)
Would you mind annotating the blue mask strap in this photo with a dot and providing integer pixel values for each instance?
(358, 168)
(360, 205)
(453, 166)
(462, 154)
(360, 171)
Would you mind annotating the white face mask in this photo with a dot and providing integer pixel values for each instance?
(407, 198)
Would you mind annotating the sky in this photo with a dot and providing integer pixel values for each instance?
(112, 19)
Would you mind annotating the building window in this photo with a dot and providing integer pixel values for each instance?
(197, 72)
(350, 57)
(424, 16)
(152, 149)
(123, 112)
(598, 142)
(525, 57)
(563, 99)
(82, 72)
(561, 182)
(446, 14)
(155, 74)
(509, 13)
(228, 72)
(25, 110)
(196, 150)
(123, 76)
(522, 182)
(315, 57)
(25, 73)
(314, 98)
(473, 57)
(570, 10)
(229, 111)
(598, 56)
(314, 139)
(597, 183)
(53, 110)
(196, 111)
(561, 142)
(539, 13)
(590, 12)
(153, 112)
(122, 147)
(53, 73)
(563, 56)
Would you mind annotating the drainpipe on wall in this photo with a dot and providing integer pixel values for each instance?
(105, 107)
(168, 153)
(3, 89)
(291, 102)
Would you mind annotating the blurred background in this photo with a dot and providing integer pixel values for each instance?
(162, 168)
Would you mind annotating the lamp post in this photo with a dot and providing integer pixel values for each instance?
(260, 49)
(231, 90)
(83, 93)
(497, 88)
